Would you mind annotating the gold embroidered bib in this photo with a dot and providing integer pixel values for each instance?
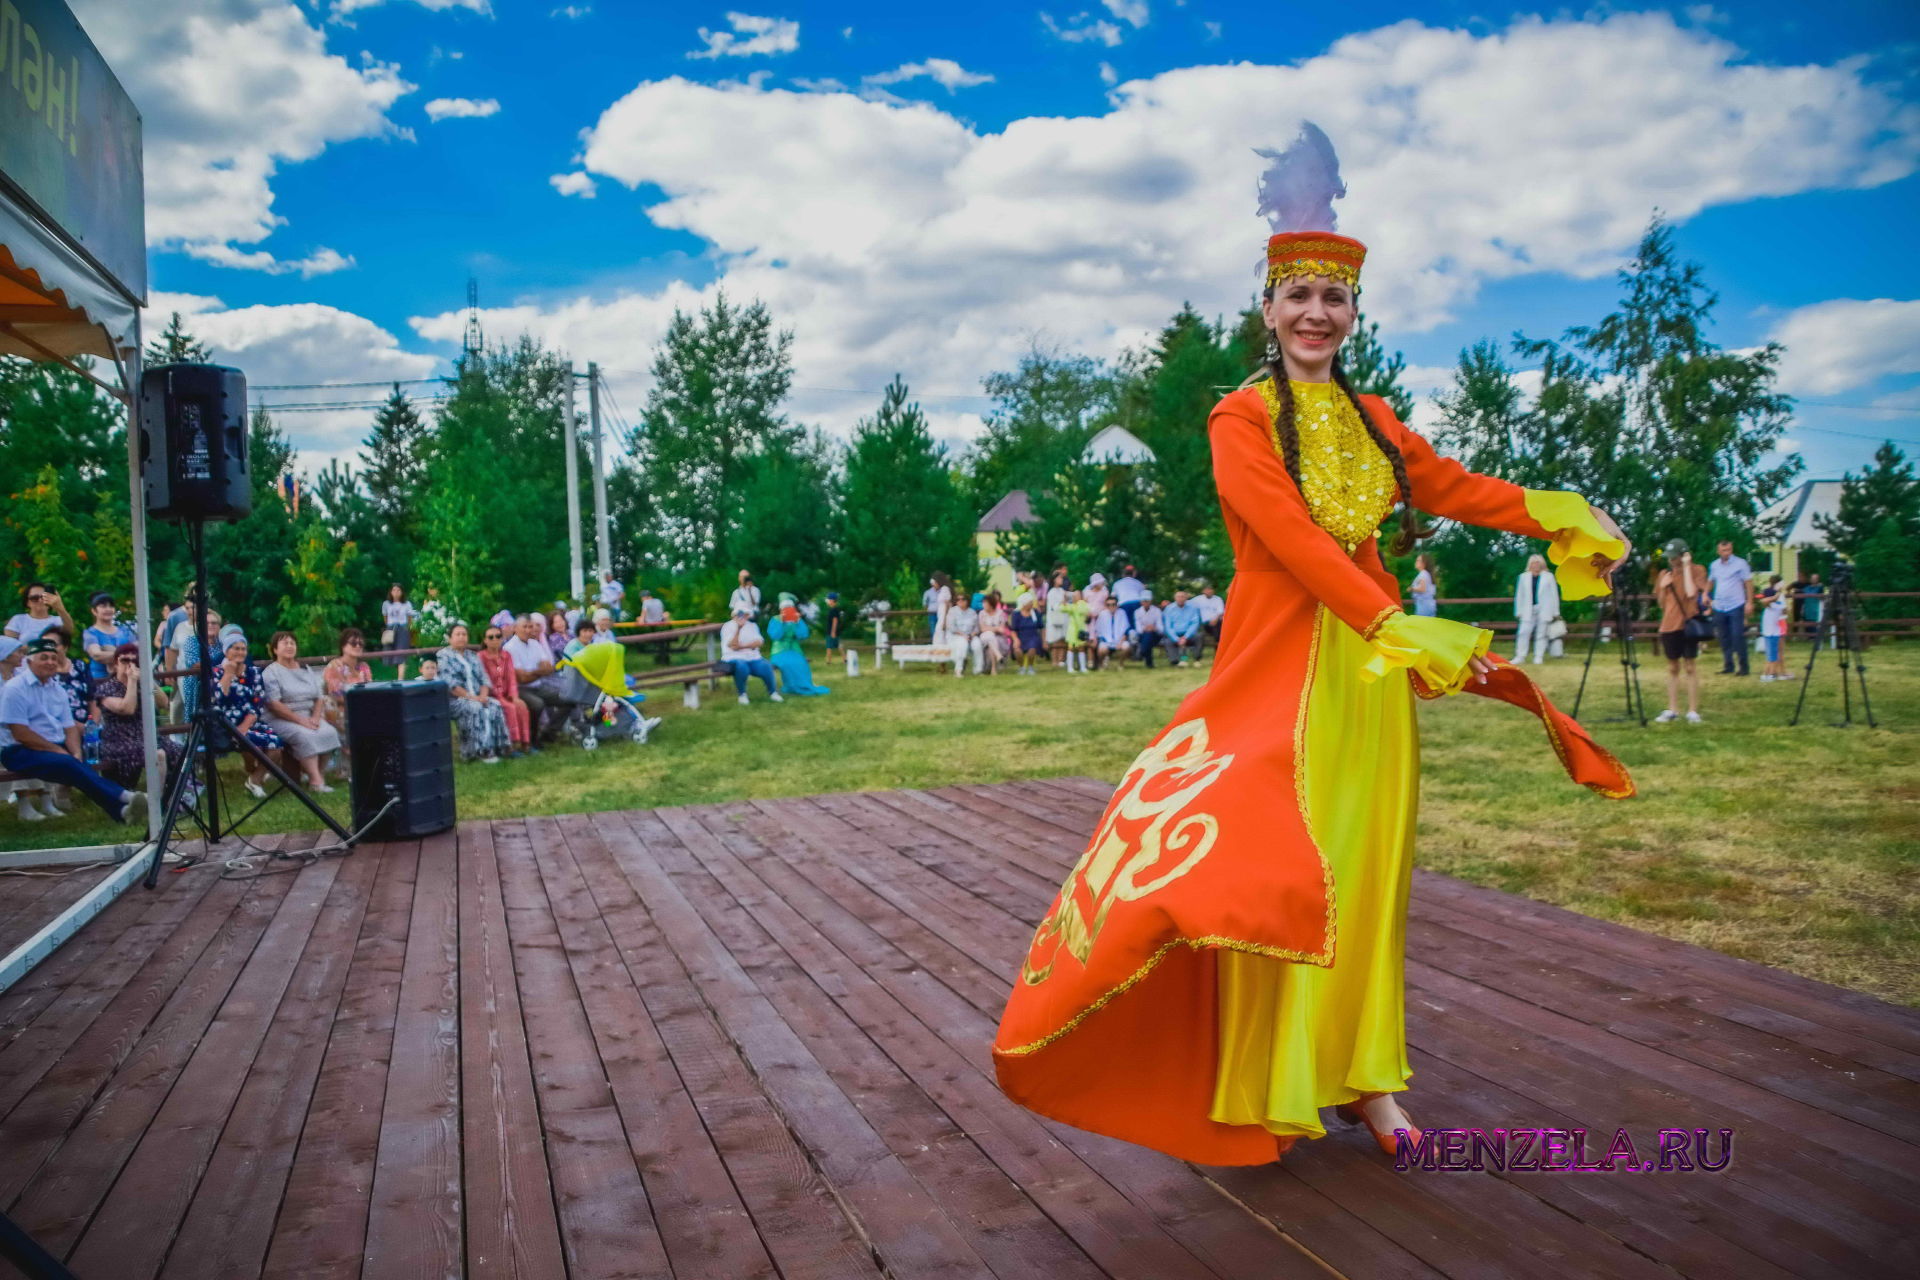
(1347, 481)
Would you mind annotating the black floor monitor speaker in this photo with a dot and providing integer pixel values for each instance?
(193, 442)
(401, 735)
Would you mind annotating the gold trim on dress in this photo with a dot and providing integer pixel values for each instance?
(1372, 629)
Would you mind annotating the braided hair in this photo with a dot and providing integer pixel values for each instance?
(1289, 433)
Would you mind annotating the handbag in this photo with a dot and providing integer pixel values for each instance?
(1697, 626)
(1557, 629)
(386, 638)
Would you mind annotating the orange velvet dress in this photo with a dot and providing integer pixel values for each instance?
(1226, 956)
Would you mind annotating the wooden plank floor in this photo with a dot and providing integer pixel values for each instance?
(750, 1040)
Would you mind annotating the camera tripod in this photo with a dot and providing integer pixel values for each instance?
(1621, 617)
(208, 738)
(1844, 626)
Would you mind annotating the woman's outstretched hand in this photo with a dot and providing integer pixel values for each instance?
(1604, 565)
(1482, 667)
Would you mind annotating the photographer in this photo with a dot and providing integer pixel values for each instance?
(1681, 588)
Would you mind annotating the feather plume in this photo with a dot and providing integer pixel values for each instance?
(1301, 183)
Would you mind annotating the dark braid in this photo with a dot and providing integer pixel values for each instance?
(1410, 530)
(1283, 423)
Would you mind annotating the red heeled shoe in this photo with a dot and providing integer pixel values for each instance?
(1387, 1142)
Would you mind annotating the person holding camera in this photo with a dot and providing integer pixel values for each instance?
(1681, 588)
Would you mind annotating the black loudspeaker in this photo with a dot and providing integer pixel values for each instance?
(193, 442)
(401, 735)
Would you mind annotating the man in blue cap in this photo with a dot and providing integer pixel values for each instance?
(831, 621)
(39, 738)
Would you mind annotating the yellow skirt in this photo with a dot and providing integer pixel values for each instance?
(1298, 1037)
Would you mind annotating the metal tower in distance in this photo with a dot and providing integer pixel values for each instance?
(473, 341)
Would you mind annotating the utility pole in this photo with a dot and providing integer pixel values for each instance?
(579, 579)
(603, 540)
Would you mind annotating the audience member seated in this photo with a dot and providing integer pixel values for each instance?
(1182, 629)
(44, 609)
(533, 671)
(1112, 635)
(40, 739)
(506, 687)
(1029, 628)
(476, 710)
(996, 640)
(740, 642)
(122, 752)
(105, 636)
(559, 635)
(787, 629)
(341, 674)
(1148, 629)
(963, 633)
(294, 694)
(241, 699)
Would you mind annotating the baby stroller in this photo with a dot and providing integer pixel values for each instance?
(593, 686)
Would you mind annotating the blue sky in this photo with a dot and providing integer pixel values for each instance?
(932, 188)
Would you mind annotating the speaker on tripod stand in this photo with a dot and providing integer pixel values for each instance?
(193, 471)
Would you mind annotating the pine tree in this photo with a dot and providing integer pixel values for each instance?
(1483, 422)
(246, 560)
(175, 345)
(396, 469)
(1886, 491)
(788, 517)
(900, 509)
(718, 382)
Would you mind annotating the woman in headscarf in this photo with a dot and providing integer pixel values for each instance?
(786, 630)
(240, 696)
(1226, 958)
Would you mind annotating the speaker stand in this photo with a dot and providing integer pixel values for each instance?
(207, 739)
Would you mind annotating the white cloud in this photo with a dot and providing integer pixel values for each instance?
(1846, 343)
(762, 35)
(1108, 76)
(1081, 28)
(899, 238)
(575, 184)
(320, 262)
(572, 11)
(230, 90)
(462, 108)
(1213, 30)
(944, 72)
(1131, 12)
(342, 8)
(301, 343)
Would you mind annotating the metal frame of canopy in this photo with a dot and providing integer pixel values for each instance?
(58, 303)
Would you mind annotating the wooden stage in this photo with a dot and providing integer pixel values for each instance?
(750, 1040)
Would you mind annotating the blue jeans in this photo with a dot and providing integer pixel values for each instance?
(1730, 627)
(58, 767)
(743, 668)
(1130, 608)
(1148, 642)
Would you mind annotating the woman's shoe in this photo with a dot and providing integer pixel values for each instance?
(1352, 1113)
(322, 789)
(255, 790)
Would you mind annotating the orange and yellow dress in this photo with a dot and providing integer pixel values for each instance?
(1226, 958)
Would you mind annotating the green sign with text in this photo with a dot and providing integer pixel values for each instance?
(70, 138)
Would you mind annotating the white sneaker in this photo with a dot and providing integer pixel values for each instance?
(774, 697)
(255, 790)
(1667, 717)
(489, 759)
(51, 808)
(30, 812)
(133, 806)
(1693, 717)
(743, 699)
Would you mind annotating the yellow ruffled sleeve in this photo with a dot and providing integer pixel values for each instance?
(1435, 649)
(1576, 538)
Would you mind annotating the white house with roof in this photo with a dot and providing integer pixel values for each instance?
(1787, 527)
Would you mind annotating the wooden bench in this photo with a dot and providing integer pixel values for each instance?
(937, 654)
(687, 676)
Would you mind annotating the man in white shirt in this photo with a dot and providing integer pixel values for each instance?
(40, 740)
(1732, 581)
(1536, 602)
(613, 595)
(963, 635)
(1130, 591)
(532, 666)
(1149, 628)
(740, 642)
(1212, 607)
(1112, 635)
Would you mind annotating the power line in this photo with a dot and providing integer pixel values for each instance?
(329, 386)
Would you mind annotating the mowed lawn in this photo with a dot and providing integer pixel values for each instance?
(1795, 847)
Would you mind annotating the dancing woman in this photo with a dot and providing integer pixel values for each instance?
(1227, 956)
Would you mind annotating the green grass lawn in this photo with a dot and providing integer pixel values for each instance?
(1795, 847)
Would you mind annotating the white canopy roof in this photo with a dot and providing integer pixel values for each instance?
(1793, 514)
(1116, 446)
(53, 304)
